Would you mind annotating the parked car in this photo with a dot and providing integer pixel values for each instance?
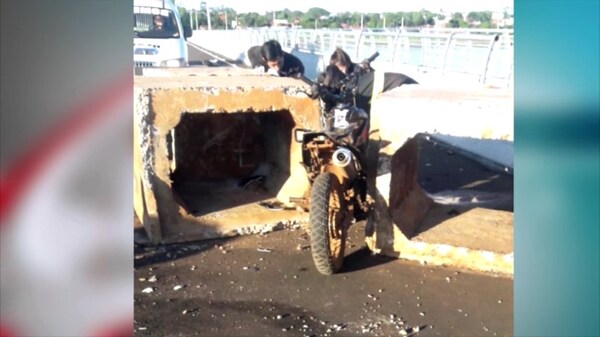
(159, 38)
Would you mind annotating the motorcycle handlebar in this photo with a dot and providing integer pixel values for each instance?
(318, 91)
(372, 57)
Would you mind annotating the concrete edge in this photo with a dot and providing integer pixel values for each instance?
(488, 262)
(487, 162)
(250, 229)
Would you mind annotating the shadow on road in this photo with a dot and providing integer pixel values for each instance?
(148, 255)
(363, 259)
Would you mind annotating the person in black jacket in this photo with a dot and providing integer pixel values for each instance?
(273, 59)
(340, 66)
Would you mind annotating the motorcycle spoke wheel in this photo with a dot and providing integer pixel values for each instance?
(327, 229)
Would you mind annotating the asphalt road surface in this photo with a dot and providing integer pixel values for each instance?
(266, 285)
(198, 56)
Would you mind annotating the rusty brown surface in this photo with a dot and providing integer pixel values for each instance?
(402, 209)
(408, 204)
(492, 228)
(406, 222)
(167, 99)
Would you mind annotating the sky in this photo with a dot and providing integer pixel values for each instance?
(370, 6)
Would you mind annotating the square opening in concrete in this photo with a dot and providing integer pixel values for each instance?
(221, 161)
(473, 203)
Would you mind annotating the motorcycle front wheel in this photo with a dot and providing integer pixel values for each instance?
(327, 229)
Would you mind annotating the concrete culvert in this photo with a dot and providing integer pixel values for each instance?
(224, 160)
(211, 150)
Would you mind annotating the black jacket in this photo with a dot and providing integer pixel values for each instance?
(332, 77)
(291, 67)
(291, 64)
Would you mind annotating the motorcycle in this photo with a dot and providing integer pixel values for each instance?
(334, 161)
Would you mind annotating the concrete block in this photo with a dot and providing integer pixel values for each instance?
(399, 120)
(196, 138)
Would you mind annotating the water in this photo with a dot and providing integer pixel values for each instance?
(458, 59)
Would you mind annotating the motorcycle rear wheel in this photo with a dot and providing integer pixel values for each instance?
(328, 232)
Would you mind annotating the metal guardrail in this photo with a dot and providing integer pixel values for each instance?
(482, 54)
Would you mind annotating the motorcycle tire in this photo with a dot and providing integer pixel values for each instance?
(327, 217)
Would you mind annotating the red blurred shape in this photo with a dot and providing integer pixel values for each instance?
(122, 329)
(5, 331)
(26, 168)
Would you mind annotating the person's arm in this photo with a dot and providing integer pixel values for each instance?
(254, 56)
(301, 68)
(293, 65)
(322, 77)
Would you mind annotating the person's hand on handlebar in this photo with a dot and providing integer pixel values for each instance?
(365, 64)
(315, 90)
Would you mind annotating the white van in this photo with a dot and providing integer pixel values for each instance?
(158, 35)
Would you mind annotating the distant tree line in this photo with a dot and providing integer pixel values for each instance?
(321, 18)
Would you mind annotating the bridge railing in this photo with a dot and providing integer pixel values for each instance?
(482, 55)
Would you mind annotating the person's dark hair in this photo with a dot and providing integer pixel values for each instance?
(341, 57)
(271, 50)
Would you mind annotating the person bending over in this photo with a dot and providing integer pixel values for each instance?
(272, 59)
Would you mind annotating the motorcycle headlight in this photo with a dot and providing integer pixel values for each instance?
(173, 63)
(342, 157)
